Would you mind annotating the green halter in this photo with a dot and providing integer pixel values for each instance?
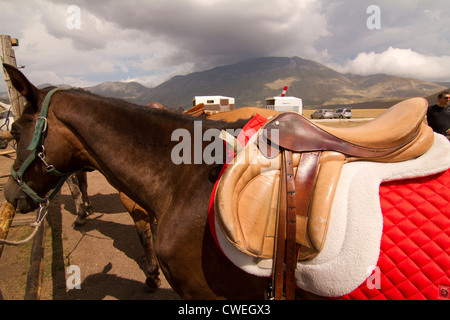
(36, 142)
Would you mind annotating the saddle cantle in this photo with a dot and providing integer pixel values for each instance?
(251, 197)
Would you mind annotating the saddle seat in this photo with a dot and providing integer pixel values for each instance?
(247, 200)
(393, 127)
(393, 136)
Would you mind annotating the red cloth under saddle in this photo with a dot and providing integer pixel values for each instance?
(414, 261)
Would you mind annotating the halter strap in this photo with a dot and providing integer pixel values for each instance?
(41, 123)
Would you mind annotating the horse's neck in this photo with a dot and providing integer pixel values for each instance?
(132, 148)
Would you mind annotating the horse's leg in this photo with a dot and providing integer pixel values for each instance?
(144, 225)
(82, 183)
(72, 182)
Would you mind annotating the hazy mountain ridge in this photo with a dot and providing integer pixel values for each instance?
(131, 91)
(250, 82)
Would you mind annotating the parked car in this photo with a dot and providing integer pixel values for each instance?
(322, 114)
(342, 113)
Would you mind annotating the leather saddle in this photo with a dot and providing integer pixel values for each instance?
(274, 200)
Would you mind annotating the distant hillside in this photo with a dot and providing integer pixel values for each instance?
(384, 104)
(131, 91)
(251, 81)
(445, 84)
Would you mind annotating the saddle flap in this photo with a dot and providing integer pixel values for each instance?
(246, 203)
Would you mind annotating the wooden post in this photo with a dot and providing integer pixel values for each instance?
(8, 56)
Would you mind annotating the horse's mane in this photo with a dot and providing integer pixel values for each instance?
(169, 114)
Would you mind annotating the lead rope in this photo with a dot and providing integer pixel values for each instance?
(43, 210)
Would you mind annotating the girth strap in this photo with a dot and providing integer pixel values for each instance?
(291, 251)
(285, 246)
(279, 247)
(295, 197)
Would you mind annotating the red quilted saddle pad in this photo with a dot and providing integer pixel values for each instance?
(414, 261)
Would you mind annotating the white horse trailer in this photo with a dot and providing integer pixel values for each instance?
(282, 104)
(214, 104)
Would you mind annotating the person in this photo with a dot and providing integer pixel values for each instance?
(438, 115)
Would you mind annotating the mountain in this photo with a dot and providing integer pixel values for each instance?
(445, 84)
(251, 81)
(130, 91)
(62, 86)
(4, 97)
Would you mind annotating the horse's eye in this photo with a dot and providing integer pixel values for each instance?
(15, 133)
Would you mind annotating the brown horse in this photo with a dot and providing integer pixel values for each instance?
(83, 131)
(145, 222)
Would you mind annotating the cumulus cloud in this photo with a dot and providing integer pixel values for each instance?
(153, 40)
(419, 25)
(400, 62)
(214, 32)
(412, 40)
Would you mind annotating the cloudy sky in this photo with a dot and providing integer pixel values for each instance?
(82, 42)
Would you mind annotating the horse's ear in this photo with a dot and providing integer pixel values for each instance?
(21, 83)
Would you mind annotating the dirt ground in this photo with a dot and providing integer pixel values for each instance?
(106, 249)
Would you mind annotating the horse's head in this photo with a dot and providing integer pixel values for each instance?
(45, 147)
